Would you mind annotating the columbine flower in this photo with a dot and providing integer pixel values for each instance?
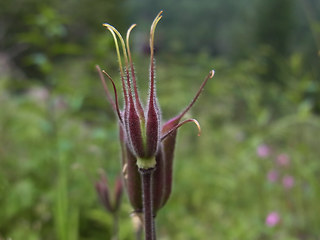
(146, 141)
(272, 219)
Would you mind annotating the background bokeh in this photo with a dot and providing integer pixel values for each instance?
(254, 172)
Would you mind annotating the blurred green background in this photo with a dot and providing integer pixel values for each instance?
(254, 172)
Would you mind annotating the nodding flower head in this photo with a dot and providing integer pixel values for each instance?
(146, 142)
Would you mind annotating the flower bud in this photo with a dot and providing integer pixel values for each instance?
(103, 191)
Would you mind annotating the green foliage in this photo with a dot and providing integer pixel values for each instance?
(57, 131)
(35, 35)
(53, 143)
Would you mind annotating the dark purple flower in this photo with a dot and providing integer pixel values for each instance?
(146, 141)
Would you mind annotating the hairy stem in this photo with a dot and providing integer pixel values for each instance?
(154, 228)
(146, 178)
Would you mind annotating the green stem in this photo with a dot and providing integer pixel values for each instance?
(115, 229)
(146, 177)
(139, 234)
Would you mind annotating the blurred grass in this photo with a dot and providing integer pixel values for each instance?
(54, 141)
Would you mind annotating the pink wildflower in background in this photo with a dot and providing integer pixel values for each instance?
(283, 160)
(272, 219)
(288, 182)
(39, 93)
(263, 151)
(272, 175)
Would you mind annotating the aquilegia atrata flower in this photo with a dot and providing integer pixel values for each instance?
(146, 141)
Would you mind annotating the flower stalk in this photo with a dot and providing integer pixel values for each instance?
(149, 227)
